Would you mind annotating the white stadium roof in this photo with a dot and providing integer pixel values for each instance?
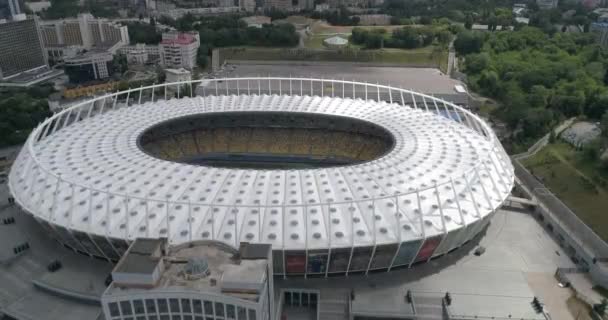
(92, 176)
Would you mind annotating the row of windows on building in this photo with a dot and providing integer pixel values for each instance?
(178, 309)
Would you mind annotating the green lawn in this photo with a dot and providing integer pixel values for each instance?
(315, 42)
(576, 181)
(422, 57)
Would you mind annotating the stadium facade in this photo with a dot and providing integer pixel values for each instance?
(339, 177)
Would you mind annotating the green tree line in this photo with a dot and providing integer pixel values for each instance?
(539, 78)
(406, 37)
(22, 110)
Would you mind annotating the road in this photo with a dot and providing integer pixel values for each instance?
(451, 58)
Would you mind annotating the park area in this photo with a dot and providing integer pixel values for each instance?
(578, 182)
(429, 54)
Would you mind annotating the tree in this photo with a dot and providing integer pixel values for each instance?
(604, 124)
(598, 107)
(488, 82)
(120, 63)
(62, 9)
(568, 105)
(22, 110)
(591, 152)
(468, 22)
(143, 33)
(374, 41)
(552, 136)
(186, 22)
(539, 96)
(407, 37)
(468, 42)
(444, 37)
(475, 63)
(202, 57)
(101, 10)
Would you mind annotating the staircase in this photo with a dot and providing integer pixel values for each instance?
(333, 304)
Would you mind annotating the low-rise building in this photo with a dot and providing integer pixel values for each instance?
(247, 5)
(256, 21)
(141, 53)
(547, 4)
(89, 66)
(374, 19)
(198, 12)
(199, 280)
(179, 50)
(177, 75)
(601, 32)
(322, 7)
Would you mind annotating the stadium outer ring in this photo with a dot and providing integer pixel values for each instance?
(37, 188)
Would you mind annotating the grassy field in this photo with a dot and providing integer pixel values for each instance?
(576, 181)
(316, 41)
(423, 57)
(420, 57)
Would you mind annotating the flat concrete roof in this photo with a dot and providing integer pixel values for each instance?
(226, 270)
(255, 251)
(139, 258)
(135, 263)
(426, 80)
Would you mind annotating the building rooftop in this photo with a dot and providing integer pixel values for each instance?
(200, 266)
(142, 257)
(31, 77)
(256, 20)
(181, 38)
(177, 71)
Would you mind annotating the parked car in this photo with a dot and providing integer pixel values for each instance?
(479, 251)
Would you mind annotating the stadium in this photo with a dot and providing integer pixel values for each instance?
(340, 177)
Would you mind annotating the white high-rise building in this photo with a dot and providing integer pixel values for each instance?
(179, 50)
(21, 49)
(14, 7)
(60, 37)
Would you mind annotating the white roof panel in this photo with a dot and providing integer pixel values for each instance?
(110, 187)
